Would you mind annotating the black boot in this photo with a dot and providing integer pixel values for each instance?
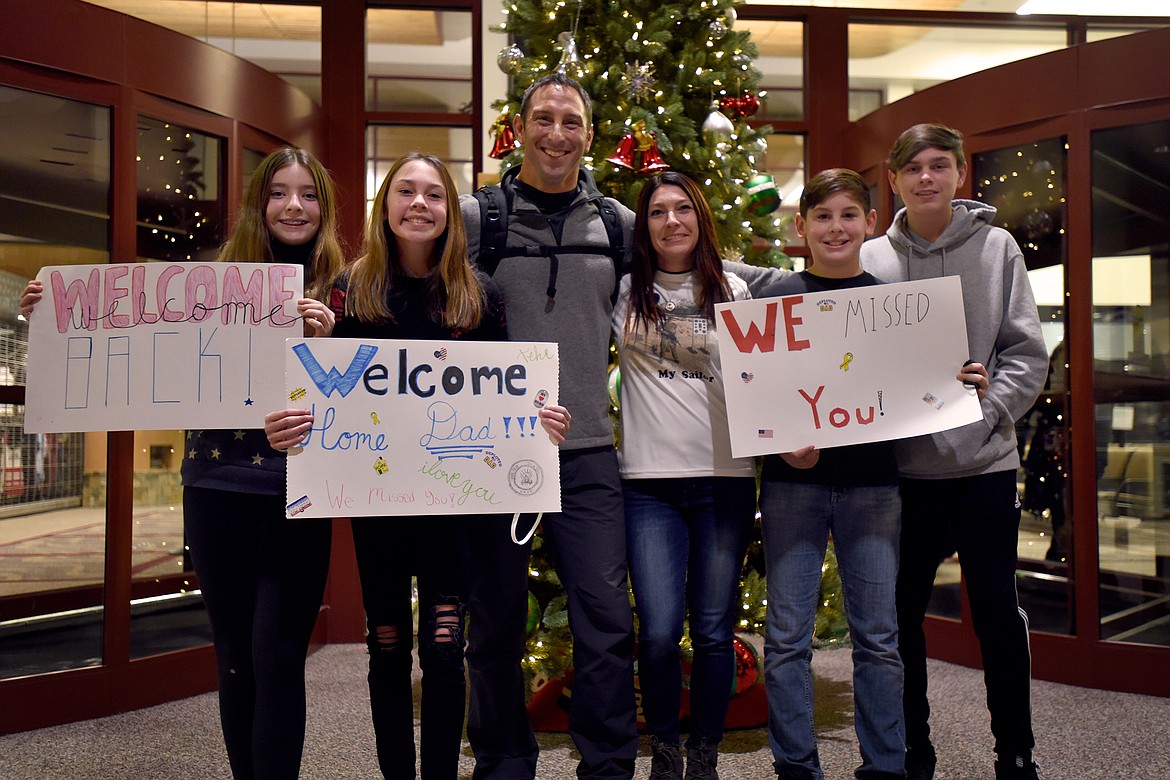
(920, 763)
(665, 761)
(701, 761)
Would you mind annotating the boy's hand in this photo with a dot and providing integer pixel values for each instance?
(804, 458)
(556, 421)
(287, 427)
(974, 376)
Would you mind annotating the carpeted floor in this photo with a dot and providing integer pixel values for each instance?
(1083, 734)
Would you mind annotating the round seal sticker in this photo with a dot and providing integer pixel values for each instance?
(525, 477)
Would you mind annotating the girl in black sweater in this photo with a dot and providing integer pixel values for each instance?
(414, 281)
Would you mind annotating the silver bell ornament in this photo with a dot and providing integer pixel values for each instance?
(570, 61)
(717, 127)
(509, 59)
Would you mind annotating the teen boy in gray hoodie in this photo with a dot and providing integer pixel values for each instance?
(959, 486)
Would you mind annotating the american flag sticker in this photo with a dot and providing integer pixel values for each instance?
(764, 433)
(933, 400)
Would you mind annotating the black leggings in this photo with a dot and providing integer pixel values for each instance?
(262, 578)
(389, 550)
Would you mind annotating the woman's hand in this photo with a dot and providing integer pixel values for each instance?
(804, 458)
(556, 421)
(287, 427)
(974, 375)
(33, 292)
(318, 317)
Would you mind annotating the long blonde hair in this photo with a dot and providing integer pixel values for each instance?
(455, 295)
(250, 240)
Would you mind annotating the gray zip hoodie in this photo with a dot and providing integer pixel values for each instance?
(1003, 333)
(579, 318)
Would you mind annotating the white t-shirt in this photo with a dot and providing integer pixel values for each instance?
(673, 408)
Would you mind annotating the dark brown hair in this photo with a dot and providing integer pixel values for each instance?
(925, 136)
(708, 262)
(832, 180)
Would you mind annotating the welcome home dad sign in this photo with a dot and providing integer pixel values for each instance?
(421, 427)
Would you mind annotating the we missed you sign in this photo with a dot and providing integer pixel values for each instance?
(845, 367)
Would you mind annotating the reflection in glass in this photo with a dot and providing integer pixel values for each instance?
(785, 162)
(899, 60)
(418, 60)
(1026, 185)
(167, 610)
(54, 210)
(386, 143)
(1131, 369)
(180, 203)
(781, 65)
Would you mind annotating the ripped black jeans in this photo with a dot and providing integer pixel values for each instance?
(390, 550)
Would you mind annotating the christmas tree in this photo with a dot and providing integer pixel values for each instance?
(672, 86)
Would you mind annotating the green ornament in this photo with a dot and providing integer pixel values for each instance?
(533, 614)
(762, 196)
(615, 386)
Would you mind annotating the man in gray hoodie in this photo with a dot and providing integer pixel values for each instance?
(959, 486)
(557, 276)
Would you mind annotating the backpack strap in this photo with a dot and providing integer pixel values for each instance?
(495, 203)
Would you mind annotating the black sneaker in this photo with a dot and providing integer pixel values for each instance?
(794, 773)
(665, 761)
(920, 763)
(701, 761)
(1016, 768)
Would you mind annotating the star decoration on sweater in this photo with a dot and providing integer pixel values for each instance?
(191, 453)
(239, 435)
(257, 460)
(215, 453)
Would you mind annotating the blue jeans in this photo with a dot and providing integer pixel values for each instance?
(686, 541)
(864, 522)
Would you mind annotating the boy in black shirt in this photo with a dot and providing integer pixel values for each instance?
(851, 492)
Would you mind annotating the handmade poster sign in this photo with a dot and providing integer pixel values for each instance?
(155, 346)
(845, 367)
(421, 427)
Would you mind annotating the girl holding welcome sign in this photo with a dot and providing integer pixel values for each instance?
(414, 281)
(261, 576)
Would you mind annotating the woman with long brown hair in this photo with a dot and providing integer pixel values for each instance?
(690, 506)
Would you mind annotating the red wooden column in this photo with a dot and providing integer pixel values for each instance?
(343, 102)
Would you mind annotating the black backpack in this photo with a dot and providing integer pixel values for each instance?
(495, 203)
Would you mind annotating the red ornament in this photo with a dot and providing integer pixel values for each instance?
(748, 104)
(747, 666)
(623, 156)
(739, 107)
(652, 161)
(505, 141)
